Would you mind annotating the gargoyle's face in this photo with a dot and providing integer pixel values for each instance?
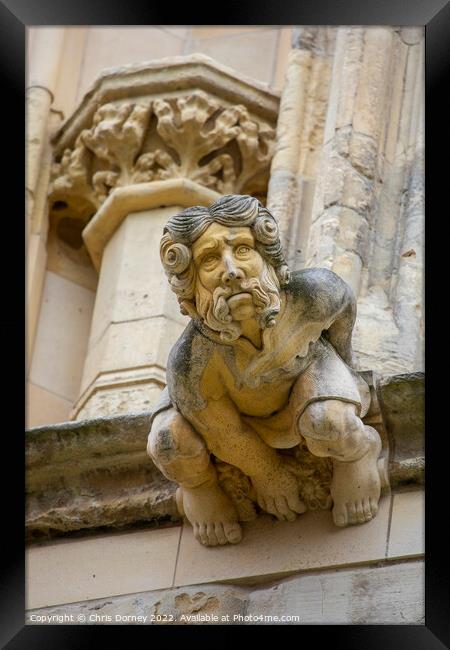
(233, 281)
(225, 258)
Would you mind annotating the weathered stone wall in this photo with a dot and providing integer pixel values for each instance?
(347, 179)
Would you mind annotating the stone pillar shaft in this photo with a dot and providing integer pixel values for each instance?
(348, 171)
(299, 137)
(134, 322)
(44, 51)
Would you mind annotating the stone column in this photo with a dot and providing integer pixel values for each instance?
(349, 167)
(43, 54)
(300, 127)
(146, 142)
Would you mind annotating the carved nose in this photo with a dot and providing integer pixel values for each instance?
(231, 272)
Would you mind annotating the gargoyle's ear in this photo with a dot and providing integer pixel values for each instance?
(174, 257)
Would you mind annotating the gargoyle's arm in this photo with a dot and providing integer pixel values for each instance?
(328, 299)
(231, 440)
(339, 333)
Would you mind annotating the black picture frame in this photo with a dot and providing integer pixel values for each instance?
(434, 15)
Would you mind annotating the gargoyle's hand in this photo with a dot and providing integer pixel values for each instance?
(277, 492)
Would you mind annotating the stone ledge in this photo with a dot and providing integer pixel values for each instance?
(272, 548)
(402, 406)
(95, 474)
(92, 474)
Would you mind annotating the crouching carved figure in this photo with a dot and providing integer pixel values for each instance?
(262, 407)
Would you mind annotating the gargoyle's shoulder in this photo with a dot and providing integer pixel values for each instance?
(319, 289)
(312, 281)
(185, 367)
(191, 351)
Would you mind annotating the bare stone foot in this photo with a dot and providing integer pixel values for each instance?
(356, 486)
(212, 515)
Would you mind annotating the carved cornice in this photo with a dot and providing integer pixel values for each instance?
(174, 76)
(182, 119)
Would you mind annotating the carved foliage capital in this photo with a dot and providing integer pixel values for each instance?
(195, 136)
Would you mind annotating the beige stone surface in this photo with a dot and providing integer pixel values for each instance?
(272, 547)
(345, 76)
(107, 47)
(139, 290)
(62, 336)
(407, 532)
(36, 261)
(391, 148)
(94, 475)
(73, 264)
(131, 345)
(370, 101)
(358, 596)
(43, 61)
(135, 316)
(40, 124)
(182, 31)
(38, 102)
(223, 31)
(37, 206)
(139, 198)
(368, 179)
(284, 48)
(44, 407)
(107, 397)
(45, 48)
(238, 51)
(289, 135)
(71, 63)
(389, 594)
(70, 571)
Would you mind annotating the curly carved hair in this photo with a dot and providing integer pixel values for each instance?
(232, 210)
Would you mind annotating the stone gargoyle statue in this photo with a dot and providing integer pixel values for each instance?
(262, 408)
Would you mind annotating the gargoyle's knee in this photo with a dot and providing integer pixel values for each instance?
(163, 440)
(332, 428)
(177, 449)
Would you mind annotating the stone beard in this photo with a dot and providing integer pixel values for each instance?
(215, 309)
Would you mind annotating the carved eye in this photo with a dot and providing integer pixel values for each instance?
(243, 250)
(210, 261)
